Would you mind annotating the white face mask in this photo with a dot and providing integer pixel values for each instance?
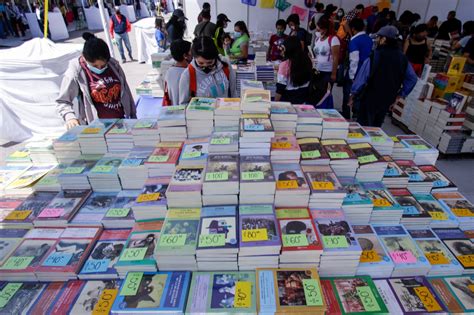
(317, 34)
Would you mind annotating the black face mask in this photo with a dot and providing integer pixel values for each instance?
(208, 69)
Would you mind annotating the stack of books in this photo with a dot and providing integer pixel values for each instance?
(343, 161)
(23, 185)
(309, 122)
(394, 176)
(312, 152)
(145, 132)
(283, 116)
(257, 181)
(21, 157)
(256, 132)
(403, 251)
(357, 205)
(256, 101)
(185, 187)
(133, 171)
(50, 182)
(120, 137)
(10, 173)
(357, 134)
(67, 148)
(265, 73)
(224, 142)
(292, 189)
(441, 217)
(163, 159)
(418, 182)
(372, 165)
(259, 237)
(459, 245)
(42, 151)
(379, 140)
(227, 112)
(11, 238)
(74, 176)
(341, 249)
(386, 209)
(326, 190)
(400, 151)
(218, 240)
(94, 209)
(195, 152)
(120, 214)
(172, 123)
(462, 209)
(103, 177)
(285, 149)
(150, 204)
(374, 260)
(92, 138)
(441, 183)
(176, 249)
(425, 154)
(414, 215)
(221, 182)
(334, 125)
(301, 244)
(200, 117)
(250, 85)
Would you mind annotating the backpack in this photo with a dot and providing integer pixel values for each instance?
(308, 37)
(193, 82)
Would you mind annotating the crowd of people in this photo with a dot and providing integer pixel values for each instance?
(374, 56)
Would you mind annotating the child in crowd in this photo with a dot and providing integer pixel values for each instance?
(160, 34)
(276, 40)
(181, 53)
(227, 42)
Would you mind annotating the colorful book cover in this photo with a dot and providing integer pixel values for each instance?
(284, 144)
(201, 103)
(186, 179)
(46, 298)
(153, 185)
(90, 295)
(322, 179)
(377, 135)
(439, 180)
(30, 253)
(255, 218)
(290, 177)
(256, 125)
(380, 196)
(183, 224)
(30, 176)
(411, 207)
(223, 167)
(388, 297)
(94, 209)
(221, 221)
(373, 253)
(228, 104)
(297, 223)
(9, 240)
(307, 111)
(338, 149)
(311, 149)
(9, 173)
(356, 194)
(64, 206)
(19, 298)
(66, 297)
(366, 154)
(164, 155)
(195, 150)
(393, 170)
(459, 245)
(121, 209)
(80, 167)
(414, 173)
(455, 292)
(435, 209)
(29, 209)
(256, 164)
(332, 115)
(108, 165)
(139, 249)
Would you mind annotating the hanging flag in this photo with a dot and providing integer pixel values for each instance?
(249, 2)
(302, 13)
(267, 4)
(282, 5)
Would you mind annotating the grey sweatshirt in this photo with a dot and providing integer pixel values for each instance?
(75, 81)
(213, 84)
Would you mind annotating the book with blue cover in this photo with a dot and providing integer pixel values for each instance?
(459, 245)
(441, 217)
(219, 220)
(195, 152)
(137, 254)
(356, 194)
(94, 209)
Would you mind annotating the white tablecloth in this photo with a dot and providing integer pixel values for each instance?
(93, 18)
(145, 36)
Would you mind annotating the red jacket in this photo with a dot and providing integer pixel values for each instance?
(119, 18)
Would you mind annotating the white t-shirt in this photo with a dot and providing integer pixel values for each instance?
(322, 53)
(172, 81)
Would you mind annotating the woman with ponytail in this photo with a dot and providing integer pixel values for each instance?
(100, 83)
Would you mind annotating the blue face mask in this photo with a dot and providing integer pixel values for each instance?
(97, 70)
(237, 34)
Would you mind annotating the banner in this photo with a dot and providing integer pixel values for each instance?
(249, 2)
(267, 4)
(282, 5)
(302, 13)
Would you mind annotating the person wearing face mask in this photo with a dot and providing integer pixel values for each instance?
(221, 25)
(305, 38)
(326, 50)
(383, 78)
(176, 26)
(101, 84)
(276, 40)
(239, 50)
(181, 53)
(417, 49)
(206, 75)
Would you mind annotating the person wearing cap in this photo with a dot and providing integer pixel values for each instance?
(120, 26)
(206, 27)
(176, 26)
(221, 25)
(383, 78)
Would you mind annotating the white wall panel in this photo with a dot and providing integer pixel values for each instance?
(441, 9)
(465, 10)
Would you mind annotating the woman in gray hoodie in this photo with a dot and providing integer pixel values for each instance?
(206, 75)
(101, 84)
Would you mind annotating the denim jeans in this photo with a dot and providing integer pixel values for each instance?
(121, 40)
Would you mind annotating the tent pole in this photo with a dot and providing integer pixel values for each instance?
(46, 11)
(104, 25)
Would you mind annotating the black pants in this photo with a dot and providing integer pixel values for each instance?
(371, 116)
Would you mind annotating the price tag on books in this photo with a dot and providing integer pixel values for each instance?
(437, 258)
(391, 172)
(102, 169)
(294, 240)
(95, 265)
(312, 292)
(118, 131)
(355, 135)
(90, 131)
(427, 299)
(215, 176)
(131, 284)
(178, 107)
(369, 256)
(338, 155)
(335, 241)
(48, 181)
(57, 259)
(253, 99)
(191, 155)
(436, 215)
(17, 262)
(471, 287)
(322, 185)
(252, 175)
(104, 305)
(143, 124)
(462, 212)
(73, 170)
(281, 145)
(395, 139)
(368, 299)
(211, 240)
(19, 154)
(419, 147)
(254, 235)
(19, 215)
(287, 184)
(310, 154)
(379, 202)
(173, 240)
(117, 212)
(51, 213)
(148, 197)
(224, 140)
(378, 139)
(466, 260)
(158, 158)
(8, 292)
(367, 159)
(254, 128)
(134, 254)
(403, 257)
(243, 294)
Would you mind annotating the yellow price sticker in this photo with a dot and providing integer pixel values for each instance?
(18, 215)
(254, 235)
(462, 212)
(281, 145)
(243, 294)
(104, 305)
(436, 215)
(323, 185)
(428, 299)
(148, 197)
(379, 202)
(287, 184)
(354, 135)
(437, 258)
(369, 256)
(471, 287)
(19, 154)
(89, 131)
(466, 260)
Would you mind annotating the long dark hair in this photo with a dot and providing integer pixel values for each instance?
(95, 48)
(243, 27)
(179, 27)
(300, 64)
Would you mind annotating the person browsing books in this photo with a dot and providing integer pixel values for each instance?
(101, 84)
(206, 75)
(276, 40)
(417, 49)
(181, 53)
(239, 50)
